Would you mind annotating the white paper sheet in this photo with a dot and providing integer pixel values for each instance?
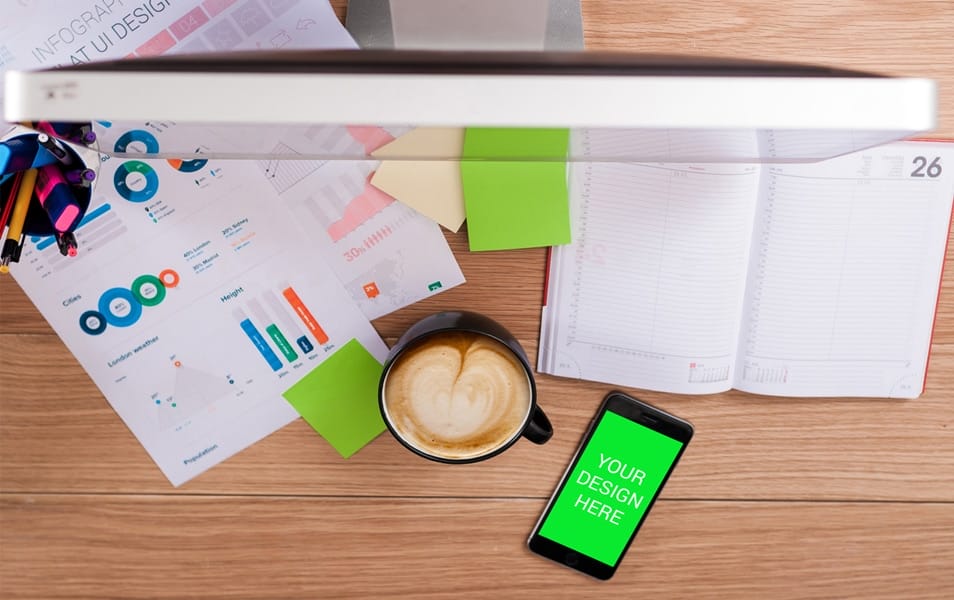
(43, 34)
(177, 304)
(385, 253)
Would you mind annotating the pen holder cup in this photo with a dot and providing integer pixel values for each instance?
(37, 222)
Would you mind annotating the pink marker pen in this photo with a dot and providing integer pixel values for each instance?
(57, 198)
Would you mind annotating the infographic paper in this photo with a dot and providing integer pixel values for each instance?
(193, 304)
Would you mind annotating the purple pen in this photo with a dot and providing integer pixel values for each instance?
(80, 176)
(80, 133)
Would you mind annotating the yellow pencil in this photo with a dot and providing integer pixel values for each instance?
(20, 208)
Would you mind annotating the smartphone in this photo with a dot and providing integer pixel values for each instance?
(626, 456)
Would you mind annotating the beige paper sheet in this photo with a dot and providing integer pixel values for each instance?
(431, 187)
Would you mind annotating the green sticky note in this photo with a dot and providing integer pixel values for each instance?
(520, 202)
(339, 398)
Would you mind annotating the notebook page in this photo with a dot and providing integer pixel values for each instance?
(719, 145)
(649, 293)
(844, 273)
(665, 145)
(809, 146)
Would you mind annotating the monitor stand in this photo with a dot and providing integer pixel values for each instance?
(466, 24)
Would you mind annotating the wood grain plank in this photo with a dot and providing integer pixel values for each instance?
(133, 547)
(57, 433)
(893, 37)
(776, 497)
(17, 313)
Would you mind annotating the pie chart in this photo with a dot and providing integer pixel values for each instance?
(137, 140)
(187, 166)
(136, 181)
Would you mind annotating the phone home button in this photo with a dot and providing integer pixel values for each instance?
(571, 559)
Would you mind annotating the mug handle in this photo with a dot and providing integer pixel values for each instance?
(538, 429)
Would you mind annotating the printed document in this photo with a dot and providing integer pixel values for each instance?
(816, 279)
(200, 293)
(193, 304)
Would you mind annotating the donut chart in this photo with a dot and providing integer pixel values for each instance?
(92, 322)
(138, 139)
(121, 307)
(169, 278)
(187, 166)
(134, 172)
(148, 290)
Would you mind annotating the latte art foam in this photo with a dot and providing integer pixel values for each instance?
(457, 395)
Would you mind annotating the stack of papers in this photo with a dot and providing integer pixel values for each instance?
(206, 290)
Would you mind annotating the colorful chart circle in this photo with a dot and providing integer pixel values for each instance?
(138, 138)
(187, 166)
(169, 278)
(92, 322)
(130, 172)
(119, 307)
(148, 290)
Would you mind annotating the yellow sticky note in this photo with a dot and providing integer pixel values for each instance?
(425, 173)
(432, 188)
(428, 143)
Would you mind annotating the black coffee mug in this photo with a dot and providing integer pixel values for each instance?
(535, 426)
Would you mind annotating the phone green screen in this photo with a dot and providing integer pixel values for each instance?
(610, 488)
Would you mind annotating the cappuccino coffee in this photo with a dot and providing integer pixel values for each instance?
(457, 395)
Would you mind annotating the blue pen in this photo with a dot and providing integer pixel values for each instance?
(22, 153)
(55, 148)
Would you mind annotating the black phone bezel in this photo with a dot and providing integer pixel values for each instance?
(639, 412)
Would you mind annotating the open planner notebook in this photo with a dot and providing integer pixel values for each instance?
(785, 279)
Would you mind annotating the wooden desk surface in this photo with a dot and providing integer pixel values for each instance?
(775, 497)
